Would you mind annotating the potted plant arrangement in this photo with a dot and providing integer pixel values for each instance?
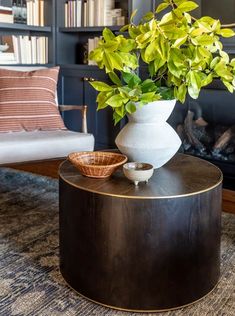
(182, 55)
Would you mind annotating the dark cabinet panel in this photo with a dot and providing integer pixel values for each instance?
(223, 10)
(74, 89)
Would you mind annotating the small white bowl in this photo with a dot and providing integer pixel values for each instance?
(138, 171)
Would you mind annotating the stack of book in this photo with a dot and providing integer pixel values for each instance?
(92, 44)
(73, 13)
(35, 12)
(92, 13)
(29, 12)
(6, 15)
(30, 49)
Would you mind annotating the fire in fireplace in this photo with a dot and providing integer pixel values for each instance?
(207, 128)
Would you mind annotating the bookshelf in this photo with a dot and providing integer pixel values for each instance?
(26, 34)
(71, 40)
(23, 27)
(74, 86)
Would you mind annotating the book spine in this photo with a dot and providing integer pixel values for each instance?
(33, 49)
(37, 50)
(79, 13)
(74, 13)
(15, 48)
(24, 12)
(20, 9)
(43, 12)
(19, 40)
(101, 13)
(28, 12)
(14, 11)
(36, 12)
(40, 13)
(91, 13)
(46, 50)
(69, 13)
(29, 51)
(66, 14)
(85, 11)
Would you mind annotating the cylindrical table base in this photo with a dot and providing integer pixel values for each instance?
(140, 254)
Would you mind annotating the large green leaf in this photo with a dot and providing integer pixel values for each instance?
(115, 79)
(133, 14)
(100, 86)
(204, 40)
(110, 46)
(180, 41)
(207, 80)
(158, 63)
(177, 57)
(149, 97)
(151, 51)
(188, 6)
(229, 86)
(166, 93)
(129, 59)
(222, 71)
(194, 84)
(116, 101)
(126, 45)
(182, 92)
(120, 110)
(143, 39)
(148, 86)
(116, 117)
(112, 61)
(173, 33)
(167, 19)
(127, 77)
(108, 34)
(130, 107)
(226, 32)
(162, 7)
(102, 98)
(148, 16)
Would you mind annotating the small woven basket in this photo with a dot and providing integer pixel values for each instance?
(97, 164)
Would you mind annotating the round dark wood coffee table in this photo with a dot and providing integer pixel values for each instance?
(148, 248)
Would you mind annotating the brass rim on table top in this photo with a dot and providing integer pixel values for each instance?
(137, 310)
(143, 197)
(149, 197)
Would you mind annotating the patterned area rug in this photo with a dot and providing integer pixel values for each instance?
(30, 282)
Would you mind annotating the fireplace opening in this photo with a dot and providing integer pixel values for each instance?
(206, 127)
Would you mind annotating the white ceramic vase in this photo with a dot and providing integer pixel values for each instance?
(147, 137)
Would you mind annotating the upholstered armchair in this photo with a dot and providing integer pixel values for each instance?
(31, 146)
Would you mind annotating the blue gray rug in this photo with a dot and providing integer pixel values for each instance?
(30, 281)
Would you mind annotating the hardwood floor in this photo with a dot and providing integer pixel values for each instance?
(50, 168)
(47, 168)
(229, 201)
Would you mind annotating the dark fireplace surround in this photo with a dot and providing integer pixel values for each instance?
(207, 128)
(215, 108)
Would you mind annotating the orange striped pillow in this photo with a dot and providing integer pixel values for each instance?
(27, 100)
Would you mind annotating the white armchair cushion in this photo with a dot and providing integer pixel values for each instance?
(39, 145)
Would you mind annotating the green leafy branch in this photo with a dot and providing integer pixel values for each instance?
(183, 54)
(124, 97)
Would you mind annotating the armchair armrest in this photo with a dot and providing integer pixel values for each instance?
(82, 108)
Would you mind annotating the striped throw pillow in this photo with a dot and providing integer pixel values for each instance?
(27, 100)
